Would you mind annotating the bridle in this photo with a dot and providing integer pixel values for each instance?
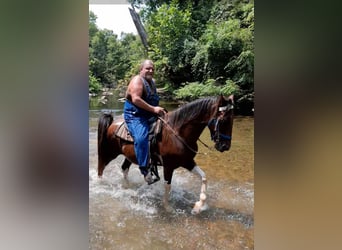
(215, 133)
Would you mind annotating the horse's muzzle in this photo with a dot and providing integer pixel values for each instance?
(222, 146)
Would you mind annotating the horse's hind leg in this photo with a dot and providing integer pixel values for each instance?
(100, 167)
(125, 168)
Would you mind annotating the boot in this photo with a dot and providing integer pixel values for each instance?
(147, 174)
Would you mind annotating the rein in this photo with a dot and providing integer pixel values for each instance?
(181, 139)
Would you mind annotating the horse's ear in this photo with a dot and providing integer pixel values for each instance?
(221, 99)
(231, 99)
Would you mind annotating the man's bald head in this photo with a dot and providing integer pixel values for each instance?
(146, 62)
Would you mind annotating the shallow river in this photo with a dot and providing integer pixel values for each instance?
(131, 215)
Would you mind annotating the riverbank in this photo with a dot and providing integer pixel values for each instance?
(166, 94)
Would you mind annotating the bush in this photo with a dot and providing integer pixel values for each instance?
(195, 90)
(94, 84)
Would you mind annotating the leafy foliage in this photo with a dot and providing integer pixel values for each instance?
(94, 84)
(111, 59)
(168, 29)
(200, 48)
(226, 47)
(196, 90)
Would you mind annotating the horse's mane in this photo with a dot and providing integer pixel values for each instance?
(190, 111)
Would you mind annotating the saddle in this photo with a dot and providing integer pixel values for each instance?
(154, 136)
(123, 133)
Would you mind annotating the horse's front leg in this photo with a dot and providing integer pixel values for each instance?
(167, 177)
(200, 205)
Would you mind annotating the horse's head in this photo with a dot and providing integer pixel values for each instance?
(221, 124)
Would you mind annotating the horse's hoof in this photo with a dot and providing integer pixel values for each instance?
(125, 183)
(197, 208)
(194, 211)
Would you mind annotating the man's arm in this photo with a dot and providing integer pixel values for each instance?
(136, 90)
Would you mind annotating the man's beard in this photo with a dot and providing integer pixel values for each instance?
(149, 77)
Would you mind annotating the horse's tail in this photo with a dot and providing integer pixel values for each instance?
(105, 121)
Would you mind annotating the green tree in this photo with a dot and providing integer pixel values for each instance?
(92, 26)
(168, 29)
(199, 47)
(94, 84)
(98, 54)
(112, 60)
(134, 52)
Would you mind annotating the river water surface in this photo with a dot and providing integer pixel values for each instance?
(131, 215)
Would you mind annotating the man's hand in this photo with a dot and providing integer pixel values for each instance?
(159, 111)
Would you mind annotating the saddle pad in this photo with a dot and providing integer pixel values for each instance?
(123, 133)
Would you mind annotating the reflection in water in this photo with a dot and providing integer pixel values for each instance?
(131, 215)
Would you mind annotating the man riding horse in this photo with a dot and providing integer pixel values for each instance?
(140, 111)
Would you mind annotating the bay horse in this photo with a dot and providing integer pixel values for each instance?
(177, 144)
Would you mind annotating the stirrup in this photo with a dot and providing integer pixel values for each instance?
(148, 178)
(153, 170)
